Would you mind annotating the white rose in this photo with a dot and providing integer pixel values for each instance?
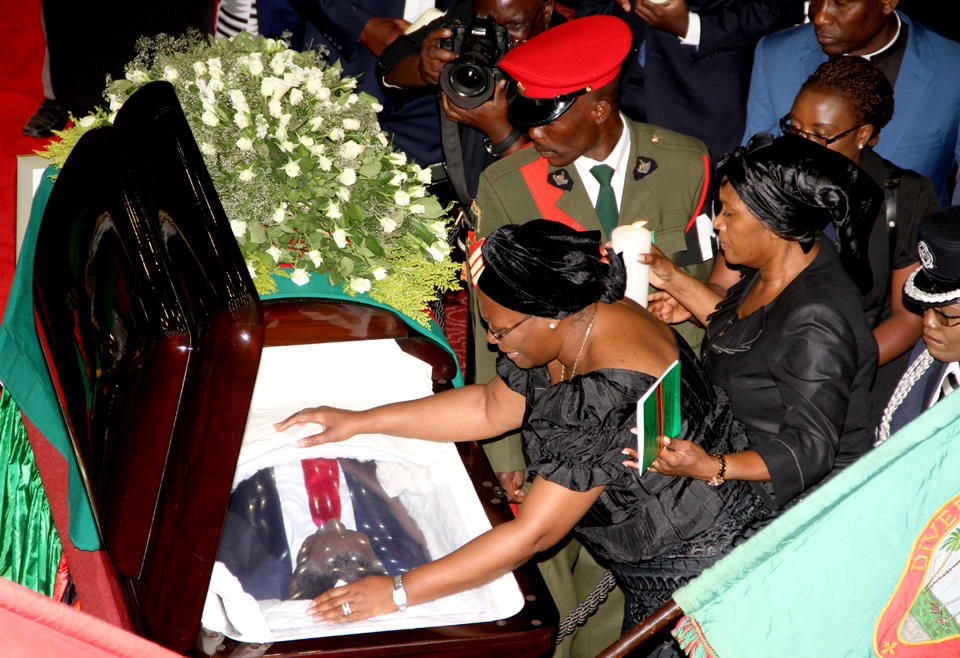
(376, 107)
(170, 73)
(336, 134)
(244, 143)
(296, 96)
(315, 123)
(239, 101)
(314, 81)
(380, 274)
(306, 140)
(352, 98)
(315, 256)
(87, 121)
(246, 175)
(199, 68)
(278, 63)
(287, 146)
(239, 228)
(423, 175)
(418, 192)
(276, 110)
(388, 224)
(351, 124)
(210, 118)
(401, 198)
(292, 168)
(241, 119)
(360, 284)
(439, 250)
(399, 158)
(285, 120)
(317, 150)
(348, 176)
(207, 149)
(382, 139)
(350, 150)
(216, 84)
(323, 94)
(279, 215)
(254, 65)
(137, 77)
(333, 212)
(324, 163)
(281, 132)
(417, 209)
(215, 67)
(399, 177)
(300, 276)
(273, 251)
(343, 194)
(115, 103)
(340, 237)
(438, 228)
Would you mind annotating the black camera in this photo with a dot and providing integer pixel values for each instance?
(471, 78)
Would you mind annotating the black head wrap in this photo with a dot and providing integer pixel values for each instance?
(548, 269)
(797, 187)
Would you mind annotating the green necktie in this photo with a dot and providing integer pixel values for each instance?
(606, 205)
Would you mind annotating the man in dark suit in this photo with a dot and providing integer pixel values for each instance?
(690, 65)
(934, 371)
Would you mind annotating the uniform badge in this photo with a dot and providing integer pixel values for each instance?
(655, 138)
(926, 256)
(643, 167)
(560, 178)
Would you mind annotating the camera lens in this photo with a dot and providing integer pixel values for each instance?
(468, 79)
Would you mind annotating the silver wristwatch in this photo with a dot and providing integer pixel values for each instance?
(399, 594)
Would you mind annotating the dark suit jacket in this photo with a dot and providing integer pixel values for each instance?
(918, 398)
(699, 91)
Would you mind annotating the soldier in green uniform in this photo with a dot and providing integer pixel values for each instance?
(589, 167)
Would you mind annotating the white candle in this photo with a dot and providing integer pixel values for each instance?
(630, 241)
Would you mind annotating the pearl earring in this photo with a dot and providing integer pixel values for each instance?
(553, 325)
(860, 146)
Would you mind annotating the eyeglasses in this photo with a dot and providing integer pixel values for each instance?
(498, 335)
(787, 127)
(945, 319)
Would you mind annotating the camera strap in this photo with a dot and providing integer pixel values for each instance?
(453, 157)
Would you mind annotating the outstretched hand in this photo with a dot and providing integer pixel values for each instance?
(672, 17)
(368, 597)
(335, 425)
(662, 269)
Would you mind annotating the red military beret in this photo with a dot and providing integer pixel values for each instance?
(562, 63)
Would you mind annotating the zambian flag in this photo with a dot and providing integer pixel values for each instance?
(867, 565)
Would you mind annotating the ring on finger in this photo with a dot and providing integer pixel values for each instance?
(345, 609)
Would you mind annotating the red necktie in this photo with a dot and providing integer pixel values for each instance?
(322, 479)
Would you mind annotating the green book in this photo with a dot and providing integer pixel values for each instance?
(658, 415)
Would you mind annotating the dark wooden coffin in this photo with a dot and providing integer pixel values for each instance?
(153, 332)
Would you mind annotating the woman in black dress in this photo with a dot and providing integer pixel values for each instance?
(575, 359)
(788, 342)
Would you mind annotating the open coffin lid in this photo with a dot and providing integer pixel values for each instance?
(153, 333)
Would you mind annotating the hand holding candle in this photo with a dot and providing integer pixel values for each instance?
(630, 241)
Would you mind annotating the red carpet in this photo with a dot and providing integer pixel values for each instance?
(21, 59)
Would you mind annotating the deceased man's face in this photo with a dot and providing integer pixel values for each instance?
(329, 555)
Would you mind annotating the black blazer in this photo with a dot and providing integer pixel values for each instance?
(798, 372)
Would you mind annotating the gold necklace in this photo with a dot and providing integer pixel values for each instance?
(583, 343)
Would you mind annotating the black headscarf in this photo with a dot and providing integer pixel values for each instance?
(548, 269)
(797, 187)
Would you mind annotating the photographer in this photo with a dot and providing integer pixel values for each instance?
(415, 60)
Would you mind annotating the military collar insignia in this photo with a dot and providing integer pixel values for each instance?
(560, 178)
(643, 167)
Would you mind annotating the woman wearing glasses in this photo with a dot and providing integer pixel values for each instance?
(575, 358)
(788, 342)
(843, 106)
